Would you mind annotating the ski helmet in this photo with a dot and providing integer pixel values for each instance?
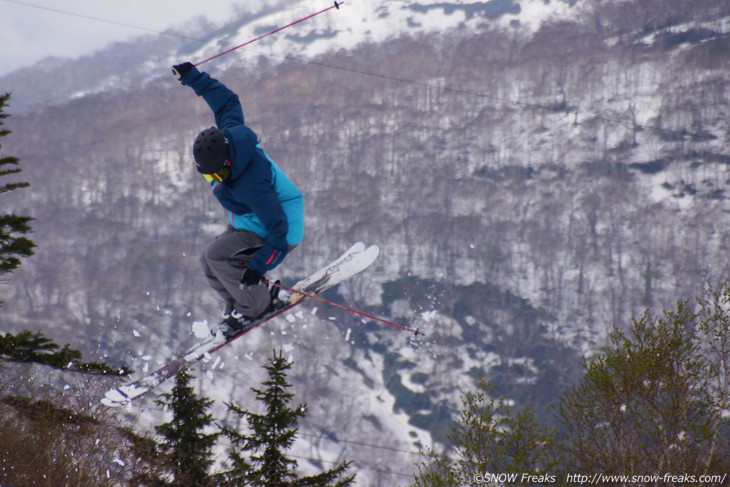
(210, 151)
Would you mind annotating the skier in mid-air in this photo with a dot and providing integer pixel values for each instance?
(265, 209)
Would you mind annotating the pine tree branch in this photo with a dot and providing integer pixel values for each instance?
(28, 347)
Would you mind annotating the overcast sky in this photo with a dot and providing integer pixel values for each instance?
(33, 29)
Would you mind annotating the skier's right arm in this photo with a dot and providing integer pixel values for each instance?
(222, 101)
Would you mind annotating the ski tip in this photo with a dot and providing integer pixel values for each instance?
(109, 403)
(369, 254)
(357, 247)
(115, 398)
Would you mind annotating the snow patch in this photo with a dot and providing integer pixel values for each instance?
(200, 329)
(427, 316)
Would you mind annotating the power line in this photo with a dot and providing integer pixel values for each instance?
(106, 21)
(312, 435)
(457, 91)
(354, 464)
(477, 94)
(357, 443)
(223, 442)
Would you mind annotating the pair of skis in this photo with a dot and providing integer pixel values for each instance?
(355, 260)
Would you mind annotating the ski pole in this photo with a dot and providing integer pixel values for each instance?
(336, 5)
(346, 308)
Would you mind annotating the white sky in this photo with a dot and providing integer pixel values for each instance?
(33, 29)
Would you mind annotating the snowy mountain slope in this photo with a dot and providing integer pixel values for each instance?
(357, 21)
(123, 65)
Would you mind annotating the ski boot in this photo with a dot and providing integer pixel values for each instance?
(232, 323)
(275, 301)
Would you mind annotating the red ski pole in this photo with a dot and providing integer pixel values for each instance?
(336, 5)
(351, 310)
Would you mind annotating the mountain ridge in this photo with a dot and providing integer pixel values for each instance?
(149, 56)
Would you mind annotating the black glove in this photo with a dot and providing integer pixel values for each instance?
(179, 70)
(251, 278)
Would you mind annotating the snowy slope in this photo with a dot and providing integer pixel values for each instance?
(358, 21)
(355, 22)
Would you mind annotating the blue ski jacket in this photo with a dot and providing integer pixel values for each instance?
(257, 194)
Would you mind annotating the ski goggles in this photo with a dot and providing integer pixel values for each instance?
(217, 176)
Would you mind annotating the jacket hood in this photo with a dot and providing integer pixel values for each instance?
(242, 143)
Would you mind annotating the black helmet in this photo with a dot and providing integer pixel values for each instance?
(210, 151)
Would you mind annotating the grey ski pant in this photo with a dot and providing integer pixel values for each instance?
(224, 261)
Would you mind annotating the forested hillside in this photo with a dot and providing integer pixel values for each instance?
(529, 190)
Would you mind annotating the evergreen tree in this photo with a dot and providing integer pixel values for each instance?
(12, 245)
(185, 452)
(272, 433)
(654, 400)
(489, 437)
(27, 346)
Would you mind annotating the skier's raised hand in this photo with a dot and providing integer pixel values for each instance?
(179, 70)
